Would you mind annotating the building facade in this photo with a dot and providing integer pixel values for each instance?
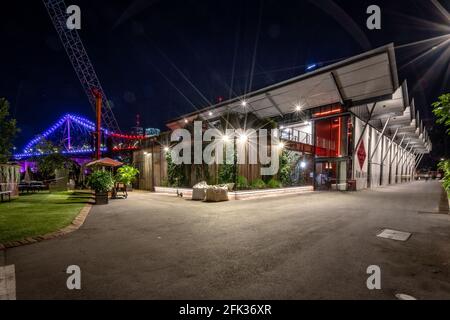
(347, 126)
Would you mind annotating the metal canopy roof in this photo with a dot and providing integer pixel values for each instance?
(364, 81)
(399, 120)
(368, 77)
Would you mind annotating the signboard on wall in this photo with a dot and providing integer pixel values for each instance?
(361, 153)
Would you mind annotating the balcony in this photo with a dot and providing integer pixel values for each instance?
(294, 135)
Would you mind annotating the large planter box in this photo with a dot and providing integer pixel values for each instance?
(101, 198)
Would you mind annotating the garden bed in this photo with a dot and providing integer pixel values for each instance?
(242, 194)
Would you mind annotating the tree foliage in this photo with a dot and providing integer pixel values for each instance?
(8, 131)
(51, 160)
(48, 164)
(441, 110)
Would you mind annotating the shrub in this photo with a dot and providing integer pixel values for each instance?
(226, 173)
(126, 174)
(101, 181)
(274, 184)
(445, 167)
(258, 184)
(164, 182)
(175, 172)
(242, 183)
(285, 171)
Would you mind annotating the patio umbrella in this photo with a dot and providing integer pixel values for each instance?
(105, 162)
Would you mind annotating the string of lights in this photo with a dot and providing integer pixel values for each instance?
(64, 124)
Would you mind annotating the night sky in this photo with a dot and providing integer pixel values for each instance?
(143, 51)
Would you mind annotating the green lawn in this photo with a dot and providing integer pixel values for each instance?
(38, 214)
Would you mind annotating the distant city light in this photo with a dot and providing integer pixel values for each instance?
(186, 120)
(311, 66)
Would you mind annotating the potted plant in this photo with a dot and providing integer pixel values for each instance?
(125, 177)
(101, 182)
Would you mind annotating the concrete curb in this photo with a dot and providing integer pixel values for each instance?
(75, 225)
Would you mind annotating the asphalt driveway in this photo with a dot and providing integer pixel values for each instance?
(311, 246)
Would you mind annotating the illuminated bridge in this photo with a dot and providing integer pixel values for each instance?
(73, 135)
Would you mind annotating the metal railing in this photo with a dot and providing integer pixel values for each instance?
(294, 135)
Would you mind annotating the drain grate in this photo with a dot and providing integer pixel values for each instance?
(394, 235)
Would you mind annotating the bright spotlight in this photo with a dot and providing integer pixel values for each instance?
(210, 113)
(166, 149)
(281, 145)
(303, 164)
(243, 138)
(298, 108)
(244, 103)
(225, 138)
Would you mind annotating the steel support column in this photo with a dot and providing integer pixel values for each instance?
(418, 161)
(390, 145)
(365, 126)
(379, 140)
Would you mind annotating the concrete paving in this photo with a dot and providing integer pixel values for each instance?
(312, 246)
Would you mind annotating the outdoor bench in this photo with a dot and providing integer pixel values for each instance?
(5, 193)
